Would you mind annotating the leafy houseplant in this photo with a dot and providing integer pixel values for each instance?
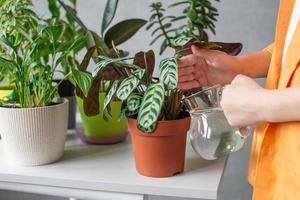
(154, 109)
(33, 117)
(196, 19)
(90, 90)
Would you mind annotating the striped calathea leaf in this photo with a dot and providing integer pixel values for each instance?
(134, 102)
(168, 72)
(129, 84)
(180, 41)
(126, 112)
(110, 93)
(151, 106)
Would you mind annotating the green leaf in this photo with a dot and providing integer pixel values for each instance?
(6, 63)
(122, 31)
(83, 80)
(192, 14)
(73, 14)
(181, 41)
(178, 3)
(129, 84)
(93, 39)
(52, 5)
(109, 13)
(168, 73)
(126, 112)
(111, 93)
(134, 102)
(150, 109)
(54, 32)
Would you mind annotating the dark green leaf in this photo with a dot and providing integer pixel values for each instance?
(72, 13)
(109, 13)
(122, 31)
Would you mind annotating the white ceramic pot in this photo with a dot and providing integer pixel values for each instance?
(34, 136)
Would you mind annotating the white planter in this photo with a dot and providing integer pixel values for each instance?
(34, 136)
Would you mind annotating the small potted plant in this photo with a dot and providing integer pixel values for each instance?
(157, 119)
(33, 117)
(96, 128)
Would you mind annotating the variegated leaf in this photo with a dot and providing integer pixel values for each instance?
(126, 112)
(150, 109)
(168, 73)
(134, 101)
(100, 65)
(129, 84)
(110, 93)
(180, 41)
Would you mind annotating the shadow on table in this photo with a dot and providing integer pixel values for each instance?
(76, 150)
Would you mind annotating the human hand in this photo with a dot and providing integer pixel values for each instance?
(244, 102)
(205, 68)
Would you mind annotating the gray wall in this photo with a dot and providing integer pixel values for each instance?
(251, 22)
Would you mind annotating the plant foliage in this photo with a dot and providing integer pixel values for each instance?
(105, 52)
(196, 19)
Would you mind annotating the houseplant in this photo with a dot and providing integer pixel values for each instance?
(193, 24)
(157, 119)
(96, 129)
(33, 117)
(72, 30)
(9, 19)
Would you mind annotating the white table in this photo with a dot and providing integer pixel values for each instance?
(108, 173)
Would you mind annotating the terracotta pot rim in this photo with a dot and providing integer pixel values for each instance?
(164, 121)
(65, 101)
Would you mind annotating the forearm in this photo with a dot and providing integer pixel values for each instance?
(255, 65)
(282, 105)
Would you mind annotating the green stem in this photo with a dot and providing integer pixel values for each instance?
(163, 29)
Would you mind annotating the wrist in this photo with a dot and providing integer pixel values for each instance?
(267, 98)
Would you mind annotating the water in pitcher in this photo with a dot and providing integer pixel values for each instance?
(211, 135)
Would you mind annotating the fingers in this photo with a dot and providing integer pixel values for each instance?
(204, 53)
(186, 78)
(187, 61)
(185, 71)
(188, 85)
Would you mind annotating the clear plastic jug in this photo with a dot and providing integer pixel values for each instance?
(211, 135)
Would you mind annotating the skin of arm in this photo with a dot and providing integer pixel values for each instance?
(210, 67)
(246, 103)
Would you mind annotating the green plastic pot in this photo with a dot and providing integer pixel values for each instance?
(95, 130)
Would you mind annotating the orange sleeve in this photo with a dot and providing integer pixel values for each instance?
(270, 48)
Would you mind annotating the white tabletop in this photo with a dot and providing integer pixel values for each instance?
(111, 168)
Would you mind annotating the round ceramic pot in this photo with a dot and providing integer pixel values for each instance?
(34, 136)
(95, 130)
(161, 153)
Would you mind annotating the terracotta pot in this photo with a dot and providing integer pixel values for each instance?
(161, 153)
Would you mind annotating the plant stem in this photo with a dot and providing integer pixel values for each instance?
(163, 29)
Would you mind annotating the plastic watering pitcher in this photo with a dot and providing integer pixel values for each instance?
(211, 135)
